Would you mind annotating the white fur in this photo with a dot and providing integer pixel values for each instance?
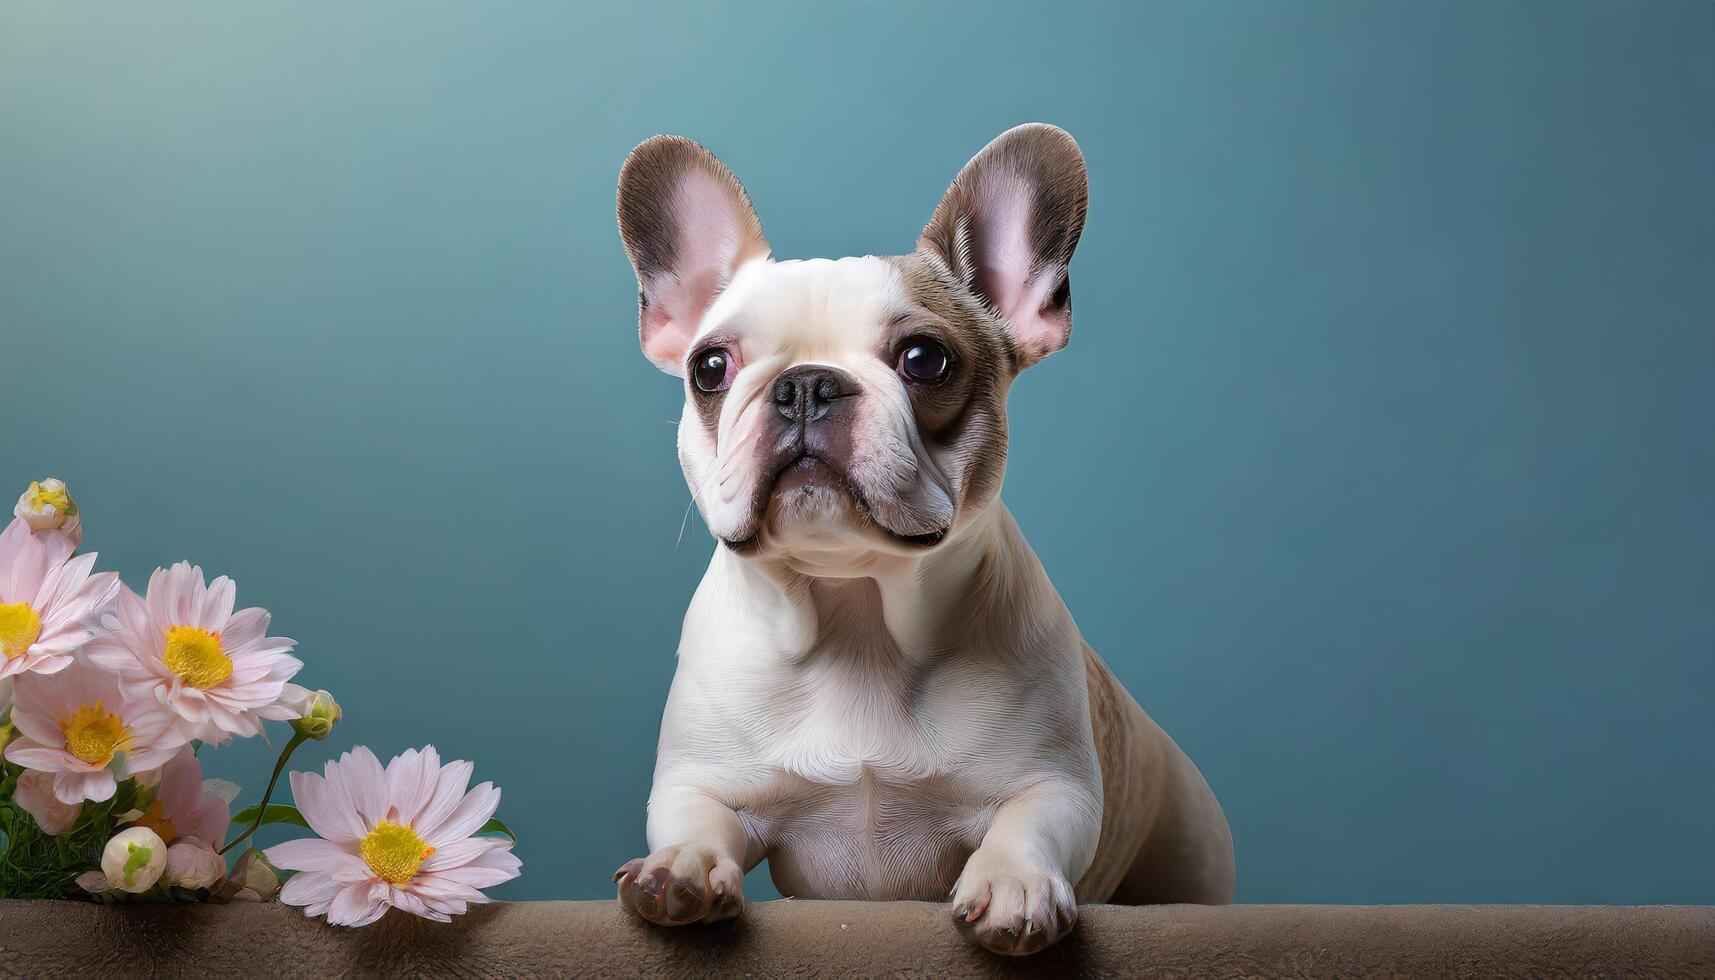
(812, 738)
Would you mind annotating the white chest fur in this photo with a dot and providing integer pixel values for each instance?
(862, 766)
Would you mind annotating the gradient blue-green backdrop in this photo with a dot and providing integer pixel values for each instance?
(1381, 465)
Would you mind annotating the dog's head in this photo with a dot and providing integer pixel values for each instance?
(837, 409)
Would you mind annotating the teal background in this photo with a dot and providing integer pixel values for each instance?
(1380, 466)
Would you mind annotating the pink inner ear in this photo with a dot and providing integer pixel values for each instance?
(713, 239)
(676, 306)
(1001, 212)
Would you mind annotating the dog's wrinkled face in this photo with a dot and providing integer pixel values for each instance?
(840, 409)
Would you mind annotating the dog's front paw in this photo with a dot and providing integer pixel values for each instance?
(1012, 909)
(681, 884)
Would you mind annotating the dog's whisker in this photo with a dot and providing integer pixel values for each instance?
(686, 519)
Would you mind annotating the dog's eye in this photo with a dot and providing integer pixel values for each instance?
(925, 361)
(712, 370)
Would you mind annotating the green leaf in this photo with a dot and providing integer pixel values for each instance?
(277, 813)
(496, 827)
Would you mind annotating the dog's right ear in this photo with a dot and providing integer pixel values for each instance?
(687, 227)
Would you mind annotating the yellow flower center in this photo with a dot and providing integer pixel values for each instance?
(56, 497)
(195, 655)
(394, 852)
(155, 818)
(93, 734)
(20, 627)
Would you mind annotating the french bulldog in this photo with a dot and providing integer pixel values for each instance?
(878, 690)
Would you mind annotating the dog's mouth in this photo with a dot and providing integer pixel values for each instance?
(804, 477)
(808, 475)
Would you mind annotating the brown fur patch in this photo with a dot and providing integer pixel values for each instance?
(966, 416)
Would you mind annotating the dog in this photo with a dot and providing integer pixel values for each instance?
(878, 690)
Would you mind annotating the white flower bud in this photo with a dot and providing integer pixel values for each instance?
(260, 880)
(317, 714)
(134, 859)
(193, 864)
(48, 506)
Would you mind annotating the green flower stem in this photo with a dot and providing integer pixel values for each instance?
(298, 738)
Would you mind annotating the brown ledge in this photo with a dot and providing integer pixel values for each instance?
(800, 938)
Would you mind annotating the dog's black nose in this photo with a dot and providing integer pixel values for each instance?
(807, 393)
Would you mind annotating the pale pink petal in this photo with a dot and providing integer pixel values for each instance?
(141, 760)
(261, 651)
(32, 557)
(472, 812)
(276, 712)
(313, 854)
(189, 703)
(163, 584)
(209, 819)
(75, 787)
(92, 881)
(365, 784)
(184, 600)
(323, 805)
(354, 872)
(61, 583)
(450, 788)
(38, 726)
(246, 696)
(359, 904)
(309, 888)
(12, 542)
(454, 853)
(216, 606)
(486, 871)
(41, 758)
(404, 901)
(439, 902)
(224, 719)
(412, 778)
(130, 614)
(181, 783)
(246, 626)
(436, 887)
(109, 652)
(35, 794)
(51, 664)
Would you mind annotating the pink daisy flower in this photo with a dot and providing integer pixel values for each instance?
(399, 837)
(79, 726)
(50, 605)
(184, 647)
(182, 807)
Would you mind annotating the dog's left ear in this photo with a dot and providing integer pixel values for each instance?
(1008, 226)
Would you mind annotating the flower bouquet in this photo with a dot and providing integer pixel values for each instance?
(106, 699)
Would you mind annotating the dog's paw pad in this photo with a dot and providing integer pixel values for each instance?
(1015, 913)
(680, 885)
